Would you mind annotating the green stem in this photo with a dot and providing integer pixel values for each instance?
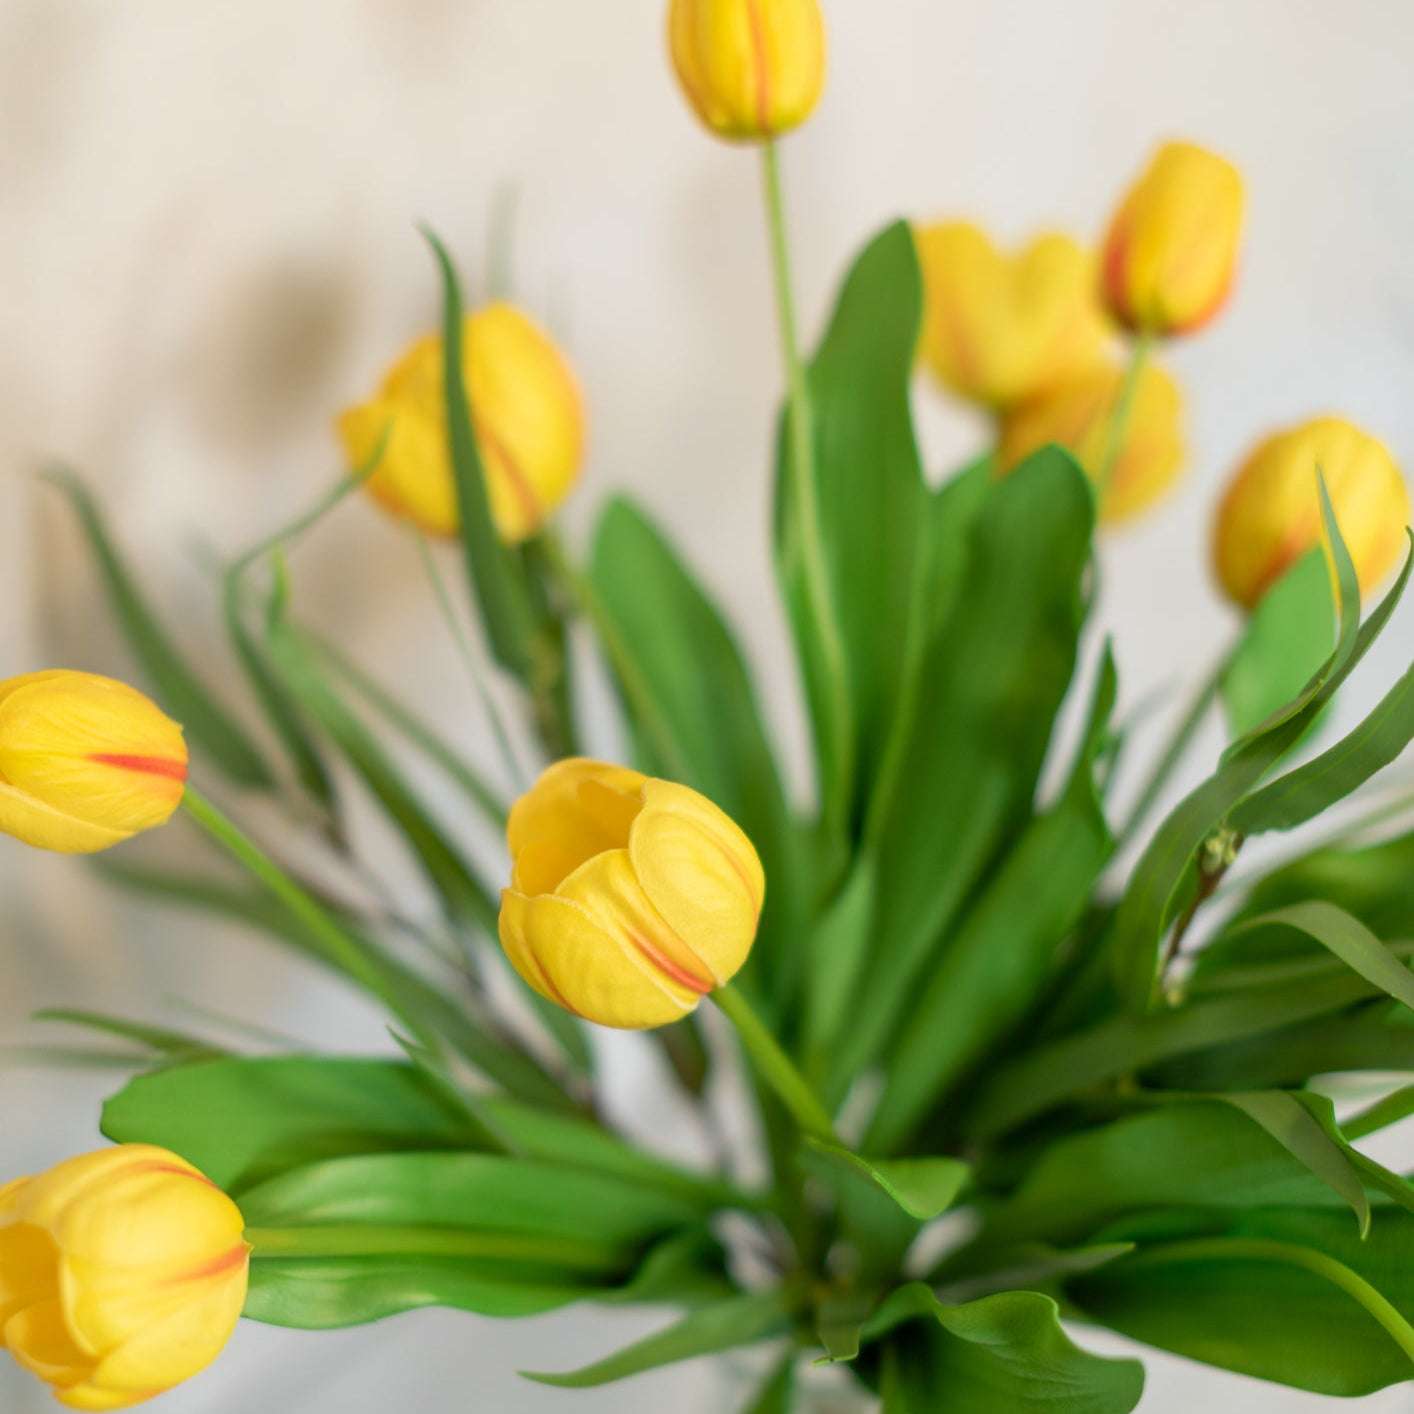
(1261, 1250)
(773, 1065)
(1178, 746)
(634, 685)
(483, 691)
(805, 489)
(308, 1242)
(1123, 411)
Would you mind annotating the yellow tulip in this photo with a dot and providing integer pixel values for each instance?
(631, 898)
(1270, 515)
(85, 762)
(1172, 247)
(1078, 415)
(529, 420)
(751, 69)
(999, 329)
(122, 1273)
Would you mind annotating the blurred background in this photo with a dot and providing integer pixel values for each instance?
(207, 248)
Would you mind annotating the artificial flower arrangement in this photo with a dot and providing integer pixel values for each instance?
(996, 1085)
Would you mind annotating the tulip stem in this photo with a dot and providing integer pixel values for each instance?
(808, 540)
(1123, 410)
(358, 1241)
(774, 1066)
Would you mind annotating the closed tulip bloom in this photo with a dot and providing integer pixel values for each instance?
(122, 1273)
(751, 69)
(1078, 416)
(529, 419)
(85, 762)
(1172, 248)
(631, 898)
(1000, 328)
(1270, 515)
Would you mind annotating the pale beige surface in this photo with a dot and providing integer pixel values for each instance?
(206, 244)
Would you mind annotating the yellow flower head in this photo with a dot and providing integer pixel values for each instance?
(1172, 247)
(529, 427)
(122, 1273)
(631, 898)
(751, 69)
(1000, 328)
(1078, 416)
(1270, 515)
(85, 762)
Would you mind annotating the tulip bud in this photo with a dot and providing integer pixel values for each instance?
(85, 762)
(631, 898)
(1271, 514)
(999, 329)
(752, 69)
(1172, 247)
(122, 1273)
(1079, 415)
(529, 420)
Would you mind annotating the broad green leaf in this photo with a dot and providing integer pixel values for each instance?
(922, 1187)
(1351, 941)
(1286, 640)
(482, 1192)
(1164, 878)
(838, 954)
(243, 1121)
(496, 580)
(178, 689)
(463, 896)
(992, 973)
(871, 497)
(1245, 1301)
(324, 1293)
(1304, 793)
(686, 1269)
(1002, 1354)
(839, 1322)
(1390, 1109)
(690, 671)
(741, 1320)
(991, 682)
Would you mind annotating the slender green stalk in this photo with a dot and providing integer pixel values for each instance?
(585, 596)
(1123, 411)
(1178, 746)
(431, 1242)
(802, 472)
(1259, 1249)
(773, 1065)
(483, 690)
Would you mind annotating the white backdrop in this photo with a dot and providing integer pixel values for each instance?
(206, 246)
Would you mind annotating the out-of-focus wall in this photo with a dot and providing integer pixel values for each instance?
(207, 244)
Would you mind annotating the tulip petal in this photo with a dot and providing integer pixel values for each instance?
(40, 825)
(40, 1341)
(29, 1270)
(700, 872)
(597, 975)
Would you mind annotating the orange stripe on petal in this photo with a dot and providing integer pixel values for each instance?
(671, 969)
(166, 766)
(218, 1266)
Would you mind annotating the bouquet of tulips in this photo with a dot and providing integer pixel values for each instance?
(996, 1081)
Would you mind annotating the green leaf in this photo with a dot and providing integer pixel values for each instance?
(495, 577)
(741, 1320)
(922, 1187)
(464, 898)
(1286, 641)
(324, 1293)
(1390, 1109)
(1003, 1354)
(174, 1046)
(243, 1121)
(992, 681)
(1349, 940)
(482, 1192)
(871, 499)
(1005, 951)
(1248, 1301)
(1157, 888)
(839, 951)
(777, 1395)
(179, 690)
(688, 665)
